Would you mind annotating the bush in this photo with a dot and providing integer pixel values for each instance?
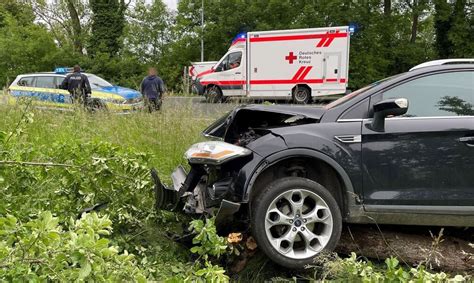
(43, 250)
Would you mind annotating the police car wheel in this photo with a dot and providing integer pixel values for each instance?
(301, 95)
(95, 104)
(214, 95)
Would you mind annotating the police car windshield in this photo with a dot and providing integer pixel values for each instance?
(97, 82)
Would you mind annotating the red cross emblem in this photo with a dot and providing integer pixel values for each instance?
(291, 57)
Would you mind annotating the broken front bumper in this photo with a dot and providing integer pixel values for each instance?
(193, 193)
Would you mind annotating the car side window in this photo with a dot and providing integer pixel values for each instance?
(26, 81)
(445, 94)
(45, 82)
(58, 81)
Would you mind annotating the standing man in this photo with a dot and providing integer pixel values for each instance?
(78, 86)
(152, 89)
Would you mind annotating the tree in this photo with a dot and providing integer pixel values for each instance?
(24, 48)
(442, 26)
(67, 20)
(461, 33)
(454, 29)
(108, 22)
(147, 31)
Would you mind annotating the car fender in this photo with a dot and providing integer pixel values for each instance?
(296, 152)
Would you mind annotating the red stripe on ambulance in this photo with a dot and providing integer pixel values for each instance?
(305, 73)
(298, 73)
(299, 37)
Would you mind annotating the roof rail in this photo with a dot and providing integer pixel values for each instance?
(443, 62)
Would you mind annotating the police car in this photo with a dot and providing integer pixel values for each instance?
(44, 89)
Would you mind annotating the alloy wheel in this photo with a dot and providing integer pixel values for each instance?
(298, 224)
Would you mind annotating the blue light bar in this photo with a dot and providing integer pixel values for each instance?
(239, 37)
(62, 70)
(353, 28)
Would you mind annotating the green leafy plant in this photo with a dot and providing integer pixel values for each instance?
(355, 270)
(207, 241)
(43, 250)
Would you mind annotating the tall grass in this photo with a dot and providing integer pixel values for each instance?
(166, 134)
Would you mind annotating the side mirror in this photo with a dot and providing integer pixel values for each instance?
(385, 108)
(219, 68)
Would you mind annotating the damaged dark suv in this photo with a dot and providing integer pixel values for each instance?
(400, 151)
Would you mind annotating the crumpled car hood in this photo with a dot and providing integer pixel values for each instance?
(256, 118)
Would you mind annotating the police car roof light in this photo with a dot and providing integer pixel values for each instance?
(64, 70)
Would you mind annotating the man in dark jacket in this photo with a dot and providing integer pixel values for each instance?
(152, 88)
(78, 86)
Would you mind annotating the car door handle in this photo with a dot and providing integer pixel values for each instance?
(469, 141)
(238, 73)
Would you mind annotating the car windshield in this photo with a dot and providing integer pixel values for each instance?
(97, 82)
(351, 95)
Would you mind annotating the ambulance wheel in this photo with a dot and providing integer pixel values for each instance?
(301, 95)
(214, 95)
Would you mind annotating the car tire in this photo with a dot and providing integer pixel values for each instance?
(301, 95)
(294, 219)
(214, 95)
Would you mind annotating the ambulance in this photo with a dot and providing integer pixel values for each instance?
(197, 68)
(293, 65)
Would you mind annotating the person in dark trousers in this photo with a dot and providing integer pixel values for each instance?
(78, 86)
(152, 89)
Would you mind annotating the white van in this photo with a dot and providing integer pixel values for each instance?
(284, 64)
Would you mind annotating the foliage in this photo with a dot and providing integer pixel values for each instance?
(147, 31)
(23, 48)
(353, 269)
(207, 241)
(43, 250)
(82, 175)
(122, 40)
(108, 21)
(454, 28)
(210, 247)
(62, 162)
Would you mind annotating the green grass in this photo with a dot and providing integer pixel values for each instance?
(166, 135)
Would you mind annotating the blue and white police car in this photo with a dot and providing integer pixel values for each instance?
(44, 90)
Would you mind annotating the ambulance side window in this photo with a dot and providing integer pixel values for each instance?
(234, 60)
(223, 64)
(231, 61)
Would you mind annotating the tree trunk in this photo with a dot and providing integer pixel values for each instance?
(76, 26)
(449, 254)
(387, 7)
(414, 26)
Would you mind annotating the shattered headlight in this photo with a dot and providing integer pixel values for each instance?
(214, 152)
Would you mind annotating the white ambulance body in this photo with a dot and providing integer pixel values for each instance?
(197, 68)
(286, 64)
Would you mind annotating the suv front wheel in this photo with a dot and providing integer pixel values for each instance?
(294, 219)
